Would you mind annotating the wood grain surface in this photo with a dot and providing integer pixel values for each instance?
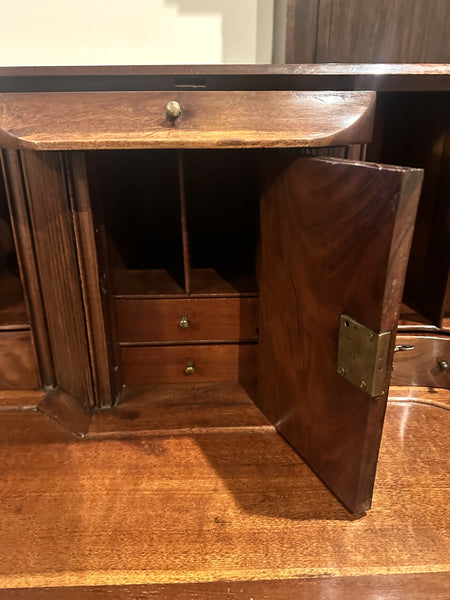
(416, 586)
(180, 409)
(59, 276)
(335, 238)
(439, 397)
(18, 366)
(75, 121)
(13, 310)
(103, 355)
(167, 364)
(386, 31)
(24, 242)
(397, 77)
(210, 319)
(227, 507)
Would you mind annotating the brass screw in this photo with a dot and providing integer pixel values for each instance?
(173, 109)
(363, 385)
(443, 366)
(341, 371)
(189, 370)
(183, 323)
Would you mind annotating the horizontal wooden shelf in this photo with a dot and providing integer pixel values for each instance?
(241, 119)
(184, 408)
(158, 283)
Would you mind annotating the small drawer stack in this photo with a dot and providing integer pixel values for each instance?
(187, 339)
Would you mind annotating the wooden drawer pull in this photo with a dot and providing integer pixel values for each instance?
(173, 110)
(190, 368)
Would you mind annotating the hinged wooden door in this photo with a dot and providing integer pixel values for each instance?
(335, 237)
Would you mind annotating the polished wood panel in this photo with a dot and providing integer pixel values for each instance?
(18, 367)
(167, 364)
(414, 131)
(59, 277)
(77, 121)
(217, 319)
(301, 31)
(180, 409)
(227, 507)
(103, 355)
(20, 399)
(420, 365)
(335, 238)
(67, 411)
(422, 395)
(398, 77)
(386, 31)
(414, 586)
(24, 243)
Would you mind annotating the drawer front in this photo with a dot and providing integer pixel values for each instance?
(185, 119)
(188, 364)
(183, 320)
(425, 364)
(18, 368)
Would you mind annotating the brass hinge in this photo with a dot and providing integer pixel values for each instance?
(363, 356)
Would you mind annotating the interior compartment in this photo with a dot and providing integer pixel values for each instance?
(181, 236)
(222, 214)
(13, 311)
(140, 201)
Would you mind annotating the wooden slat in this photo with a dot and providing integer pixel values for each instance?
(167, 364)
(26, 254)
(335, 238)
(74, 121)
(107, 376)
(415, 586)
(58, 272)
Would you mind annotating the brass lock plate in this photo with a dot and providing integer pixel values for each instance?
(363, 356)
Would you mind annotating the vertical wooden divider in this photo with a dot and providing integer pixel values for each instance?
(26, 256)
(95, 285)
(184, 227)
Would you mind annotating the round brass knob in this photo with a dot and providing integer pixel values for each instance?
(183, 323)
(173, 109)
(443, 366)
(189, 370)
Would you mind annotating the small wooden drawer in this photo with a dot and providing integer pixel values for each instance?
(183, 320)
(422, 360)
(188, 364)
(203, 119)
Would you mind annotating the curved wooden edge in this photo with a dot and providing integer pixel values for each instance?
(430, 396)
(66, 411)
(210, 119)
